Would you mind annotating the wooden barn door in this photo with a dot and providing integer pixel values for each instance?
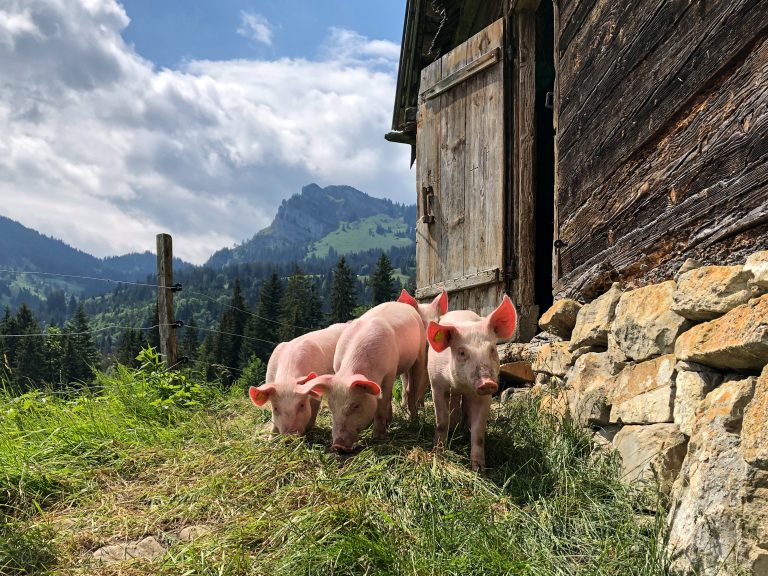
(462, 205)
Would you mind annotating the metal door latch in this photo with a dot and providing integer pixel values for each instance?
(427, 201)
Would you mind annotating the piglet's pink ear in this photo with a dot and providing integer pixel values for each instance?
(441, 302)
(439, 336)
(362, 383)
(406, 298)
(261, 395)
(315, 387)
(305, 379)
(503, 320)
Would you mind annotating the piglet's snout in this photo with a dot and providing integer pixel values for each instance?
(487, 386)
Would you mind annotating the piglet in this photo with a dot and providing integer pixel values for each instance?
(291, 364)
(373, 350)
(463, 367)
(413, 396)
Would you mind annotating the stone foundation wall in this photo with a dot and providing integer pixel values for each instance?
(675, 376)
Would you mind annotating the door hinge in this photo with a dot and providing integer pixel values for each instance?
(559, 243)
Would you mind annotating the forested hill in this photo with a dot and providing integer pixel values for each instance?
(319, 221)
(22, 248)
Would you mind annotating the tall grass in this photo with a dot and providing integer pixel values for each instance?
(78, 473)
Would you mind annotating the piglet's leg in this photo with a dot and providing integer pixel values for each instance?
(418, 380)
(457, 415)
(383, 409)
(477, 412)
(441, 398)
(315, 407)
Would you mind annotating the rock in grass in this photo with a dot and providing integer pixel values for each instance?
(192, 533)
(560, 318)
(148, 548)
(738, 340)
(711, 291)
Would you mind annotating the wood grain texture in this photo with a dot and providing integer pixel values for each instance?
(525, 185)
(450, 194)
(659, 57)
(460, 145)
(165, 310)
(427, 173)
(701, 182)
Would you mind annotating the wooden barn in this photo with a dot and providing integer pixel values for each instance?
(561, 146)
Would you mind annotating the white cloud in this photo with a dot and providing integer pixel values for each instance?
(100, 149)
(256, 27)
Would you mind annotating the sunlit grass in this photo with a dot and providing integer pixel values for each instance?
(78, 473)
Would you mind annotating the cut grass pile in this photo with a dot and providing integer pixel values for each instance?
(77, 473)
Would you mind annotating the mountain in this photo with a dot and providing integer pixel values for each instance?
(24, 249)
(325, 221)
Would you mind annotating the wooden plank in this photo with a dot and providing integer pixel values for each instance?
(701, 182)
(484, 174)
(556, 126)
(524, 104)
(427, 174)
(449, 197)
(681, 64)
(463, 283)
(165, 299)
(463, 74)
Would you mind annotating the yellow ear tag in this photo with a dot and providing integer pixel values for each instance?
(439, 336)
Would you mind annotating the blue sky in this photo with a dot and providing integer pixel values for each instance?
(120, 120)
(171, 31)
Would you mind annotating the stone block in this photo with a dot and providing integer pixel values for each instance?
(553, 359)
(738, 340)
(651, 453)
(560, 318)
(707, 518)
(148, 548)
(645, 325)
(757, 266)
(519, 372)
(644, 393)
(590, 383)
(711, 291)
(754, 429)
(593, 321)
(691, 387)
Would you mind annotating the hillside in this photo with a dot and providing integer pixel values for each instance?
(308, 223)
(23, 248)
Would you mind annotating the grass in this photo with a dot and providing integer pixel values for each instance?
(361, 235)
(80, 472)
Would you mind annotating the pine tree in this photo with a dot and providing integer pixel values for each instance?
(190, 340)
(263, 329)
(28, 364)
(299, 307)
(80, 353)
(128, 347)
(382, 281)
(343, 292)
(53, 350)
(226, 343)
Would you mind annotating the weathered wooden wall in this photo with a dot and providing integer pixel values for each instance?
(662, 136)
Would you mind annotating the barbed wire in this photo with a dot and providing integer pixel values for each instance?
(248, 311)
(237, 335)
(110, 280)
(190, 292)
(63, 334)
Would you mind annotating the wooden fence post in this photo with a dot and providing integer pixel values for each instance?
(165, 299)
